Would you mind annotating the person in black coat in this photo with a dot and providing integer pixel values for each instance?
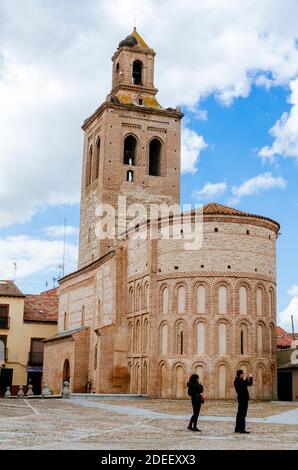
(241, 384)
(194, 391)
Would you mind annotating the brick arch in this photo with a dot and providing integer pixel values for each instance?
(222, 389)
(261, 381)
(163, 338)
(205, 379)
(124, 136)
(245, 366)
(216, 333)
(260, 285)
(195, 335)
(176, 288)
(163, 379)
(179, 379)
(194, 296)
(271, 302)
(249, 298)
(146, 300)
(164, 286)
(261, 348)
(180, 325)
(247, 339)
(131, 299)
(215, 295)
(138, 296)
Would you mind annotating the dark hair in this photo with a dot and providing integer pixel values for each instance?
(239, 372)
(193, 379)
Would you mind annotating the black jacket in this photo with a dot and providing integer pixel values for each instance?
(241, 387)
(195, 390)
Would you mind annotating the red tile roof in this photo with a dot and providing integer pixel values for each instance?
(9, 289)
(42, 307)
(283, 339)
(212, 208)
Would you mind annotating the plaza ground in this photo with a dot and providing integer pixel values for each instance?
(142, 424)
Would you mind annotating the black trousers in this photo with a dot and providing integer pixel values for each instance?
(241, 415)
(196, 406)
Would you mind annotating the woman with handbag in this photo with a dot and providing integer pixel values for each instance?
(195, 391)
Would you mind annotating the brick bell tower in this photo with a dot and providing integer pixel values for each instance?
(131, 146)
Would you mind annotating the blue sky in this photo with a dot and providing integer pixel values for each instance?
(236, 81)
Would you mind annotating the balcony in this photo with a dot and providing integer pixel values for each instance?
(4, 323)
(35, 358)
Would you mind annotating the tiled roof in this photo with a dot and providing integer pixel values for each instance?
(9, 289)
(65, 334)
(212, 208)
(283, 339)
(42, 307)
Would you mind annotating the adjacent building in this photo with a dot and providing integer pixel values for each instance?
(25, 321)
(287, 364)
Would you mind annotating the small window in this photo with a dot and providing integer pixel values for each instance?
(137, 72)
(229, 267)
(130, 145)
(247, 232)
(216, 230)
(202, 265)
(154, 157)
(129, 176)
(140, 102)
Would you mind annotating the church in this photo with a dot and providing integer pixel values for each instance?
(141, 314)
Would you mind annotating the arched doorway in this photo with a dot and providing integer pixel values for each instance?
(66, 371)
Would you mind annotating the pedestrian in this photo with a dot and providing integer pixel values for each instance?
(241, 383)
(195, 390)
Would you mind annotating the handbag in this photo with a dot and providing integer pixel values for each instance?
(203, 397)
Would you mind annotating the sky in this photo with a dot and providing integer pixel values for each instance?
(231, 66)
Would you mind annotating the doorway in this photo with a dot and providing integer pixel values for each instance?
(5, 379)
(34, 379)
(284, 386)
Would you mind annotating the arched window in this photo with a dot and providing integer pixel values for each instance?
(137, 337)
(181, 299)
(139, 298)
(131, 300)
(89, 167)
(222, 379)
(164, 339)
(165, 301)
(180, 345)
(271, 303)
(65, 326)
(201, 299)
(83, 316)
(223, 300)
(95, 356)
(137, 72)
(130, 147)
(243, 300)
(222, 339)
(243, 340)
(145, 340)
(201, 334)
(117, 68)
(259, 301)
(96, 173)
(154, 157)
(260, 340)
(129, 176)
(146, 295)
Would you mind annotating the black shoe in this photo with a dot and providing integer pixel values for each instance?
(190, 428)
(197, 429)
(244, 432)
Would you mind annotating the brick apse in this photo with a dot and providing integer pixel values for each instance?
(141, 315)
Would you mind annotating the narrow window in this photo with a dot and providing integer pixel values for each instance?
(130, 145)
(137, 72)
(241, 343)
(89, 167)
(96, 174)
(129, 176)
(181, 343)
(95, 357)
(154, 157)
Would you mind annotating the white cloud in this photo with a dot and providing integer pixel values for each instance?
(255, 185)
(211, 190)
(191, 146)
(285, 131)
(284, 317)
(293, 291)
(34, 256)
(55, 70)
(58, 230)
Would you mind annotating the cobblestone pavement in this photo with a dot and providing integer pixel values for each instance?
(142, 424)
